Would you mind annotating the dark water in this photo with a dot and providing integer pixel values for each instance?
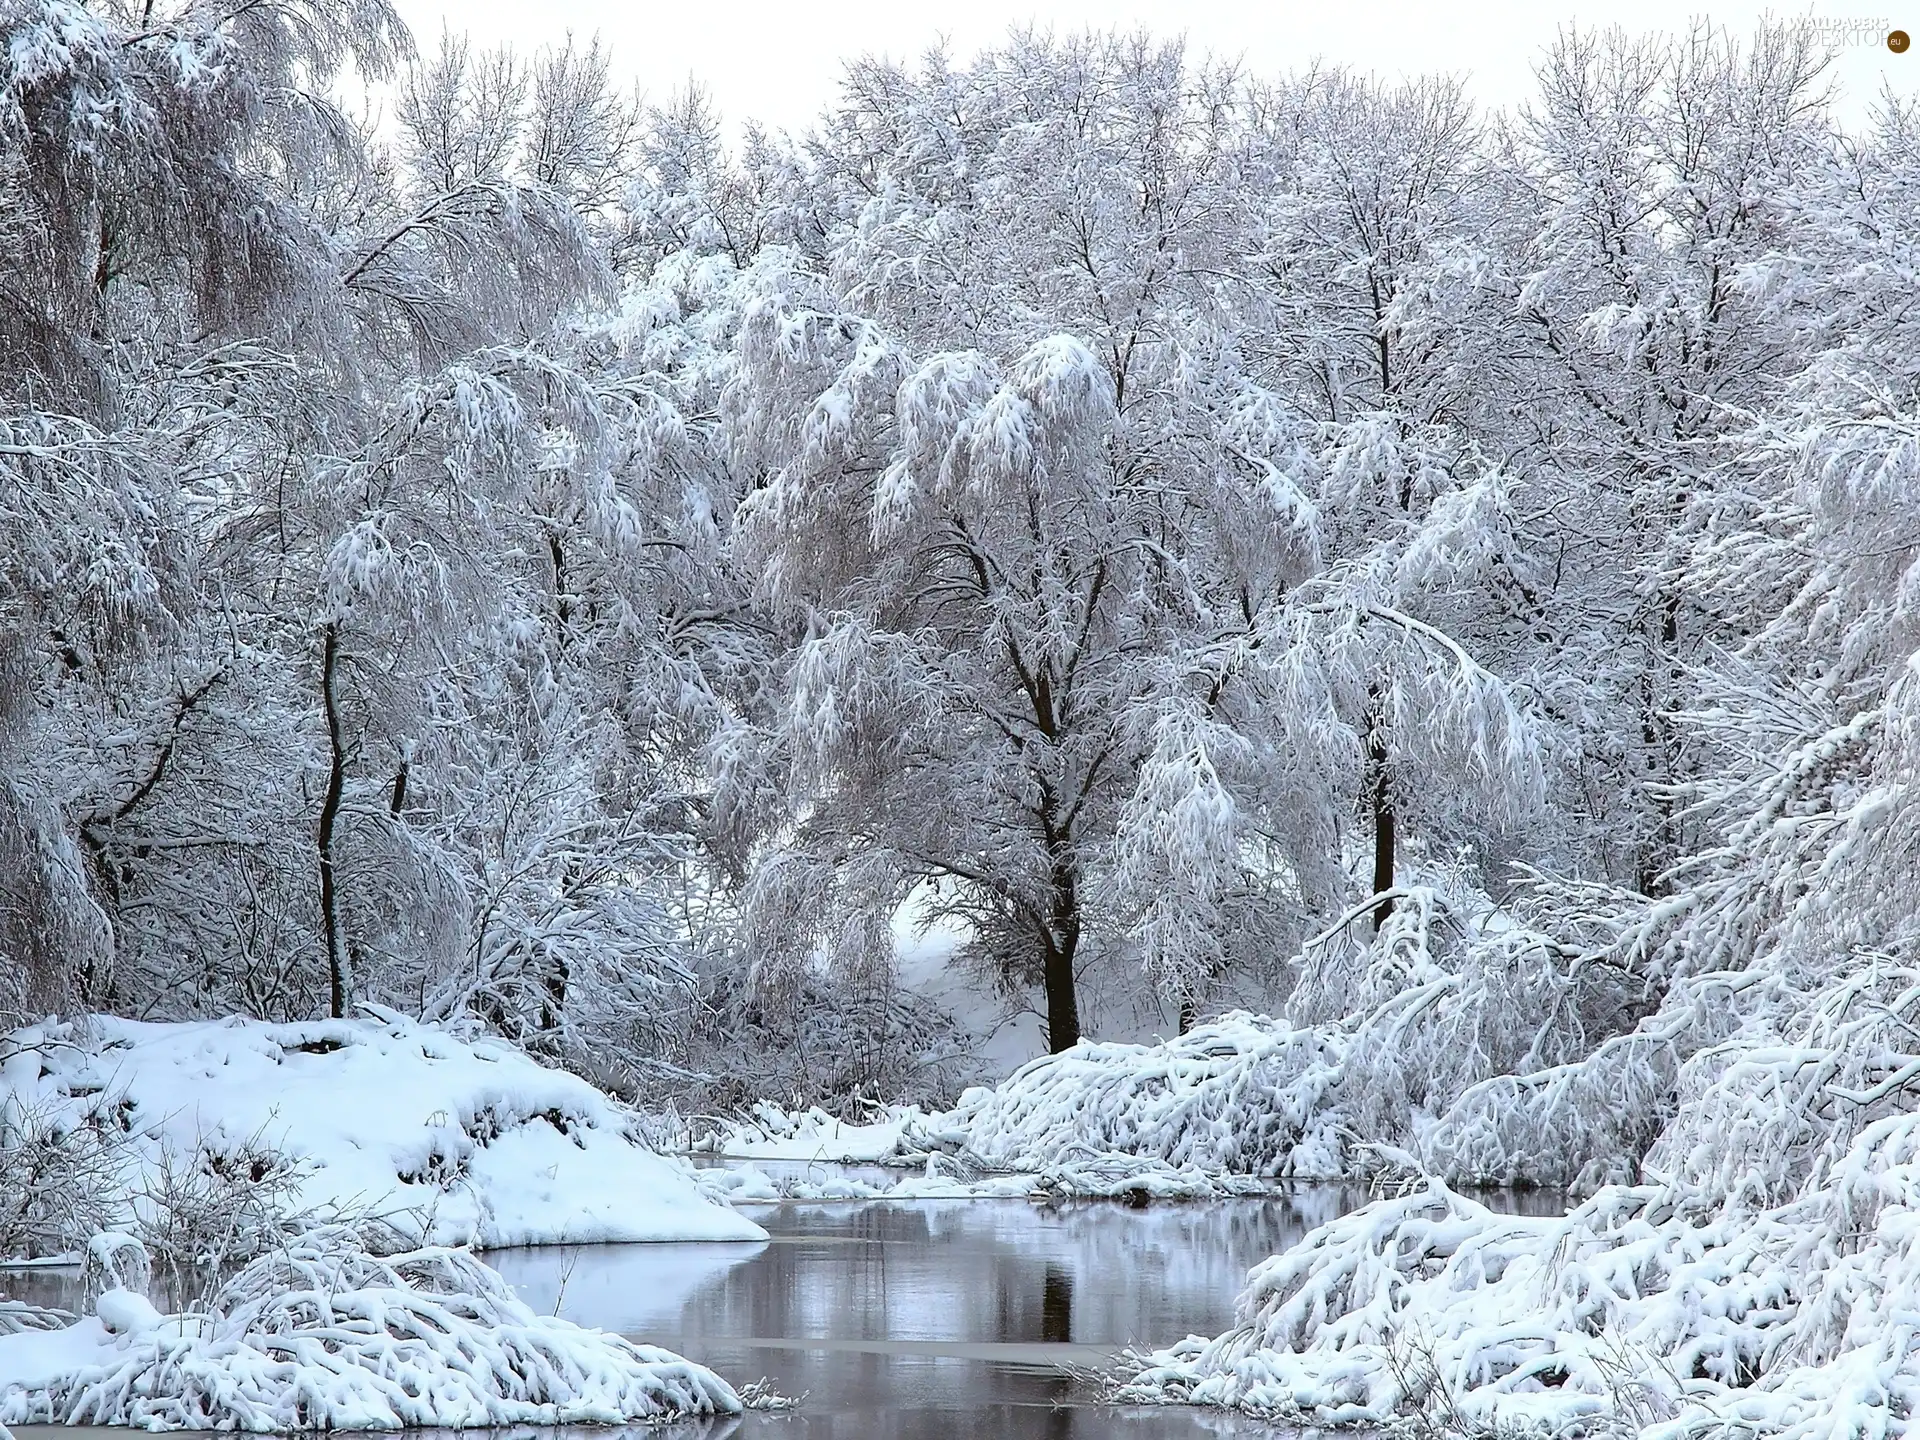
(924, 1319)
(930, 1319)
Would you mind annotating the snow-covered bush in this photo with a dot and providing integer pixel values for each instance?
(1639, 1310)
(62, 1177)
(1409, 1038)
(217, 1206)
(1233, 1096)
(325, 1335)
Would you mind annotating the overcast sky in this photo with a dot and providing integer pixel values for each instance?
(777, 63)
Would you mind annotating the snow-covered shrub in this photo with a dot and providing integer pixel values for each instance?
(62, 1176)
(1759, 1280)
(216, 1206)
(1638, 1310)
(1233, 1096)
(1452, 993)
(1573, 1126)
(325, 1335)
(72, 1168)
(1435, 1036)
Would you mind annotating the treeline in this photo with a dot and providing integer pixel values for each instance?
(531, 561)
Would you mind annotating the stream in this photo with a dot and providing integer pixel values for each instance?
(917, 1319)
(928, 1318)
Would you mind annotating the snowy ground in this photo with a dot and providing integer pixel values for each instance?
(452, 1142)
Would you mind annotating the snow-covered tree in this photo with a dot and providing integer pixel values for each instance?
(1633, 192)
(349, 562)
(1069, 644)
(151, 245)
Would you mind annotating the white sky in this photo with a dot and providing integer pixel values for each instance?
(778, 63)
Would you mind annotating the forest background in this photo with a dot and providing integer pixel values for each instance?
(528, 560)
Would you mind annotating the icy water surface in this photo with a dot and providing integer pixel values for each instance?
(911, 1320)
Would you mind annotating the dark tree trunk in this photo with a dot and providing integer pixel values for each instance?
(1060, 935)
(1059, 942)
(339, 968)
(1063, 1007)
(555, 1005)
(397, 800)
(1380, 801)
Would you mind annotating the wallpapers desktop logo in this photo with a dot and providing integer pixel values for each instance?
(1848, 31)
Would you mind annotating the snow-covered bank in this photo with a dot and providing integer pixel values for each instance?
(1238, 1096)
(1060, 1156)
(773, 1133)
(1633, 1313)
(1112, 1178)
(1241, 1100)
(327, 1336)
(450, 1141)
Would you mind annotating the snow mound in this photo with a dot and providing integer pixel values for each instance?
(450, 1141)
(329, 1336)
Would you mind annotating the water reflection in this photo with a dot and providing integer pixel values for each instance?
(1056, 1306)
(942, 1318)
(980, 1271)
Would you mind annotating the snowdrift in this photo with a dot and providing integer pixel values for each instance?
(449, 1141)
(328, 1336)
